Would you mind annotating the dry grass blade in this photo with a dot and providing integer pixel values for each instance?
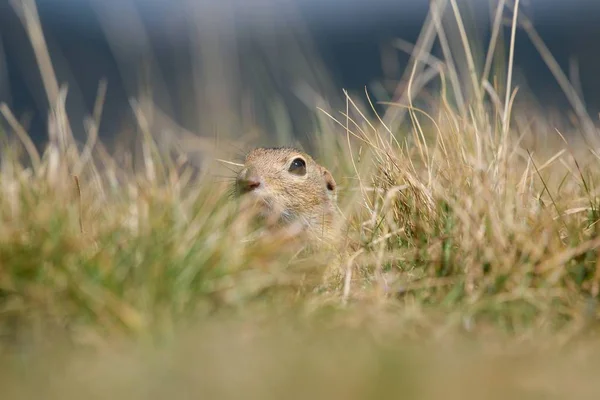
(589, 130)
(92, 129)
(27, 11)
(493, 41)
(506, 113)
(393, 118)
(452, 70)
(22, 135)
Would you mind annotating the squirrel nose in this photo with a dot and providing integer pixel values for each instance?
(249, 184)
(248, 181)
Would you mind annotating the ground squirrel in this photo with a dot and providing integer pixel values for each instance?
(290, 188)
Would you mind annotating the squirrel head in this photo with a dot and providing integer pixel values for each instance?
(288, 185)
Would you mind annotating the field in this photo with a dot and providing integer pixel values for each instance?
(473, 269)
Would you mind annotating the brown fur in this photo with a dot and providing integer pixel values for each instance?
(309, 200)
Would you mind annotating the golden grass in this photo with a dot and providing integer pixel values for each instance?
(468, 238)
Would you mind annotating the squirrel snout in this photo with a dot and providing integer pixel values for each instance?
(248, 181)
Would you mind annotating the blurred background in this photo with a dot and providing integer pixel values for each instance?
(260, 69)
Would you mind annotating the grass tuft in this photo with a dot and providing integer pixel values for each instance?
(457, 224)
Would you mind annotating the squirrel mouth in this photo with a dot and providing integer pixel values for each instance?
(267, 208)
(241, 190)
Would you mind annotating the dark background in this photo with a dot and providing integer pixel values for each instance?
(347, 36)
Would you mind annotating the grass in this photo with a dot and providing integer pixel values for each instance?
(471, 268)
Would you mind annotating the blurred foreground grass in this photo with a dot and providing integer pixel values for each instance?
(471, 268)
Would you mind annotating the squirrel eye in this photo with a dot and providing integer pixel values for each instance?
(298, 167)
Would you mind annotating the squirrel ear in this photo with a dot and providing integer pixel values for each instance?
(329, 181)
